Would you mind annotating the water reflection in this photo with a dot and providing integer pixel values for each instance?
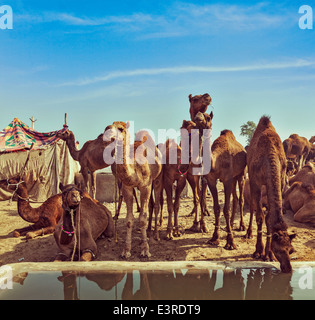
(238, 284)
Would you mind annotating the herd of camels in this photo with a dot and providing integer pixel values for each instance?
(271, 175)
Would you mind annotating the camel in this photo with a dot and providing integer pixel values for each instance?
(305, 175)
(297, 148)
(90, 156)
(228, 163)
(198, 103)
(91, 159)
(142, 170)
(83, 221)
(266, 162)
(44, 218)
(202, 121)
(300, 198)
(171, 173)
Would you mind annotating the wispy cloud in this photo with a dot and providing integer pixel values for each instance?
(300, 63)
(179, 19)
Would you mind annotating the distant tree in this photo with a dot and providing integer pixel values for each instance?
(247, 130)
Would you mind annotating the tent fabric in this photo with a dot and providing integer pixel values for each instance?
(18, 136)
(50, 162)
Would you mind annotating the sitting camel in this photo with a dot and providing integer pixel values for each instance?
(266, 162)
(300, 198)
(297, 148)
(83, 221)
(198, 103)
(228, 163)
(44, 218)
(143, 170)
(305, 175)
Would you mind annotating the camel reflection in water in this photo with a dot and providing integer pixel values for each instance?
(239, 284)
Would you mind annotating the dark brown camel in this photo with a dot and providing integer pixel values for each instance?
(228, 163)
(83, 221)
(266, 162)
(198, 103)
(44, 218)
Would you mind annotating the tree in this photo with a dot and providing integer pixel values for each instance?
(247, 130)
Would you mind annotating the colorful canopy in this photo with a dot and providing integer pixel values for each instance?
(18, 136)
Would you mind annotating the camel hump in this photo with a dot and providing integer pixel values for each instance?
(265, 121)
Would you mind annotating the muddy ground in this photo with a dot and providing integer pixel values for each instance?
(190, 246)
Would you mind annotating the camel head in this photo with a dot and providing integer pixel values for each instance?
(116, 131)
(199, 103)
(282, 248)
(67, 135)
(71, 196)
(203, 120)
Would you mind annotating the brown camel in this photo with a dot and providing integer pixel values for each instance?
(202, 121)
(90, 157)
(141, 169)
(266, 162)
(300, 198)
(198, 103)
(44, 218)
(228, 163)
(305, 175)
(297, 148)
(83, 221)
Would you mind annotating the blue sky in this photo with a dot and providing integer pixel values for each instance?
(102, 61)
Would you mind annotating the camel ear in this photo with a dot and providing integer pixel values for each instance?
(211, 115)
(189, 97)
(276, 236)
(61, 187)
(128, 124)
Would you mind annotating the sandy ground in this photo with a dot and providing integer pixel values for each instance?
(189, 247)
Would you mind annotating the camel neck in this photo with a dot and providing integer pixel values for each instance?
(72, 149)
(25, 211)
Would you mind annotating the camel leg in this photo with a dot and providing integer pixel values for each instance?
(93, 184)
(216, 208)
(168, 186)
(269, 256)
(85, 174)
(158, 189)
(161, 208)
(193, 181)
(234, 202)
(128, 196)
(203, 201)
(241, 185)
(144, 199)
(33, 231)
(151, 208)
(203, 205)
(249, 233)
(255, 196)
(181, 183)
(228, 187)
(136, 199)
